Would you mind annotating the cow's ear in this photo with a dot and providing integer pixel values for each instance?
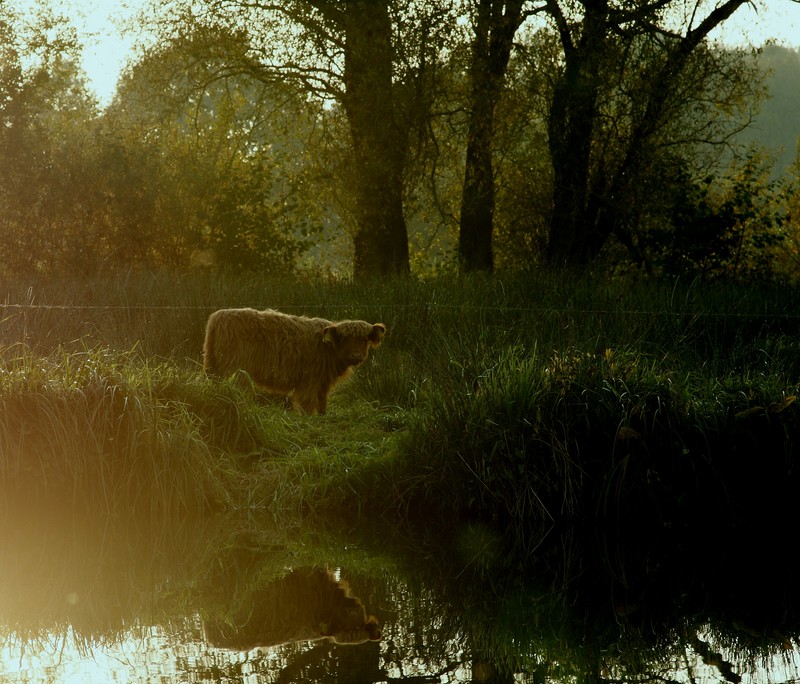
(376, 334)
(329, 334)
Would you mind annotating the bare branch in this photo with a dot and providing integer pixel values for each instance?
(554, 10)
(720, 14)
(310, 23)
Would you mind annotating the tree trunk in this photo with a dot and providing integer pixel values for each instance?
(379, 143)
(477, 199)
(495, 25)
(575, 233)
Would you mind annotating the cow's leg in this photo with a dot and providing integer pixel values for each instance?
(322, 401)
(311, 400)
(305, 401)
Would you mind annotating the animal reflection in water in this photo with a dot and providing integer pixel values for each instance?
(306, 605)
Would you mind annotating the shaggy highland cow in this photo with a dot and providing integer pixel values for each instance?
(307, 604)
(294, 356)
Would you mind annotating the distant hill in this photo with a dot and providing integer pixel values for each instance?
(777, 125)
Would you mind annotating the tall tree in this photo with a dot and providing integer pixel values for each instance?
(380, 140)
(495, 23)
(346, 53)
(213, 162)
(48, 191)
(589, 205)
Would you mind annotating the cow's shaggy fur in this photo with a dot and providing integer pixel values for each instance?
(294, 356)
(306, 605)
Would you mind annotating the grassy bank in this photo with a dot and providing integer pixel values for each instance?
(524, 399)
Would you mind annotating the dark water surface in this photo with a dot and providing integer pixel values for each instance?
(256, 601)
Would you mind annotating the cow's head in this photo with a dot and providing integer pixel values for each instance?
(352, 340)
(368, 630)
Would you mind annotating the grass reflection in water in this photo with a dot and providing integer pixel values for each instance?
(104, 599)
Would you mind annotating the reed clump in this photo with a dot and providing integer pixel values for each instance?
(612, 436)
(91, 432)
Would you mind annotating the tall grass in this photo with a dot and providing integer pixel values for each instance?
(614, 437)
(531, 397)
(90, 431)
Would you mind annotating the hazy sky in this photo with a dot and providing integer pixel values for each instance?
(106, 49)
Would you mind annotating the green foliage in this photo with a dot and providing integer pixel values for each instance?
(156, 179)
(616, 436)
(225, 147)
(579, 399)
(730, 228)
(233, 152)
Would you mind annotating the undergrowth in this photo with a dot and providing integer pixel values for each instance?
(607, 436)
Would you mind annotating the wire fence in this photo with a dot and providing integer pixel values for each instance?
(423, 305)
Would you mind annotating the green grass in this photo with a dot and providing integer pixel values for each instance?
(524, 398)
(91, 431)
(608, 436)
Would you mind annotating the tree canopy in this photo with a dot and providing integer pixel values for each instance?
(378, 138)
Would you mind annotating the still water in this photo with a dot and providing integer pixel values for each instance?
(255, 601)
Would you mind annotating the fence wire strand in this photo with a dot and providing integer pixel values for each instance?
(425, 305)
